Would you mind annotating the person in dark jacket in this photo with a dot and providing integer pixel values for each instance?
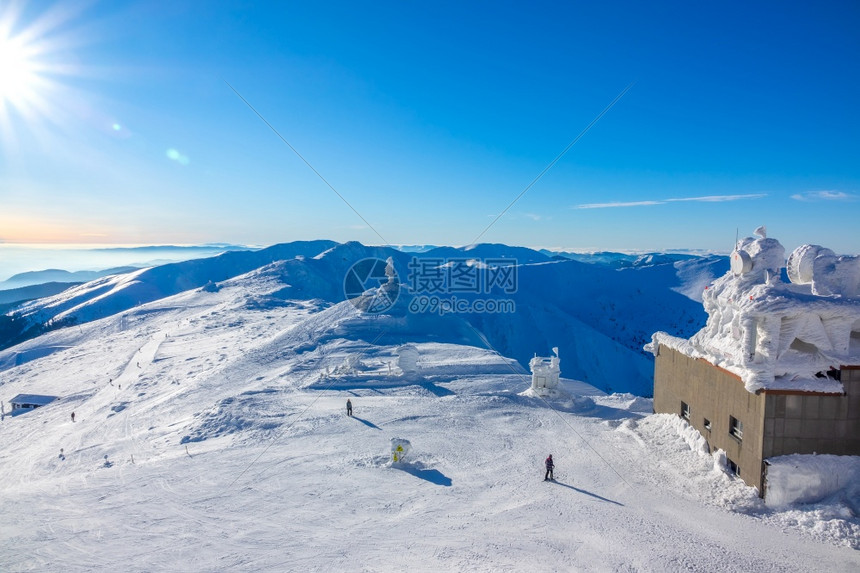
(549, 466)
(348, 407)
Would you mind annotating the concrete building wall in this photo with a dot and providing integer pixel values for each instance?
(715, 395)
(803, 423)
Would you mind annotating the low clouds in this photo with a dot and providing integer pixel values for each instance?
(704, 199)
(824, 196)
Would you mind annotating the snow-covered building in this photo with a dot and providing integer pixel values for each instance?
(545, 372)
(407, 359)
(26, 402)
(776, 369)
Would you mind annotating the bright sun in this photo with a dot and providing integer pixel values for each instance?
(35, 48)
(18, 73)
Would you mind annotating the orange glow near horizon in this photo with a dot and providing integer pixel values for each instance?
(22, 229)
(33, 232)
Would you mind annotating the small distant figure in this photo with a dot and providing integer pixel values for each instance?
(62, 455)
(549, 467)
(138, 364)
(348, 407)
(73, 417)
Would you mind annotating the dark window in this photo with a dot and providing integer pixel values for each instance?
(685, 410)
(736, 428)
(733, 467)
(707, 424)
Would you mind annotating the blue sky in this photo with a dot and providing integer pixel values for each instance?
(430, 119)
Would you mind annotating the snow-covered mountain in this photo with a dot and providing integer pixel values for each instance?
(14, 297)
(598, 315)
(210, 435)
(33, 278)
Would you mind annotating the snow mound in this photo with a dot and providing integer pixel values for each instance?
(816, 495)
(242, 413)
(626, 401)
(807, 479)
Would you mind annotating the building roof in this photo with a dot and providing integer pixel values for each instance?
(37, 399)
(778, 335)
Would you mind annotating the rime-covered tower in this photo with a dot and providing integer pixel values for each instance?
(545, 372)
(776, 333)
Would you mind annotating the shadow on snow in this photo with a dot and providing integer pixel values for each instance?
(587, 492)
(367, 423)
(433, 476)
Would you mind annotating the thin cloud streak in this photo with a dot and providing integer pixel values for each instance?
(704, 199)
(824, 196)
(719, 198)
(617, 204)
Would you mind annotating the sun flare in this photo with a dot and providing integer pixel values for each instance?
(18, 73)
(36, 61)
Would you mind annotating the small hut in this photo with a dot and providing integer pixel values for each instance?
(25, 402)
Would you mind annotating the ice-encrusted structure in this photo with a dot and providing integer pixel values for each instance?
(545, 372)
(778, 335)
(400, 448)
(407, 359)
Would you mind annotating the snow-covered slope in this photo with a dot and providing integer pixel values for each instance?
(115, 293)
(210, 435)
(600, 317)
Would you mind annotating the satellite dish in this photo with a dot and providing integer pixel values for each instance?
(801, 263)
(741, 262)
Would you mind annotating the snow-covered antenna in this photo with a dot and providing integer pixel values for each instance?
(736, 238)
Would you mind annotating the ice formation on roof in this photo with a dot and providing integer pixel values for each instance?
(780, 335)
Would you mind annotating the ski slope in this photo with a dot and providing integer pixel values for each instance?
(210, 435)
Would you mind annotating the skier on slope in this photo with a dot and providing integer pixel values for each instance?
(549, 466)
(348, 407)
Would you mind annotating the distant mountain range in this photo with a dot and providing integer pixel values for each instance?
(599, 315)
(31, 278)
(12, 297)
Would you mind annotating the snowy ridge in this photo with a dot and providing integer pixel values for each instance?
(592, 312)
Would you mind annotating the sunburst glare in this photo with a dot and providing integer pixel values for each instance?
(18, 77)
(35, 51)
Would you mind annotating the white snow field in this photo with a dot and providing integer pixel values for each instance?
(210, 434)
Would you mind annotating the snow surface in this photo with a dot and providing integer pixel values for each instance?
(804, 478)
(207, 439)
